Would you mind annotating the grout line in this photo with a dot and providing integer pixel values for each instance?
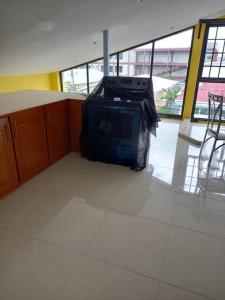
(112, 210)
(96, 233)
(128, 214)
(104, 261)
(166, 251)
(144, 275)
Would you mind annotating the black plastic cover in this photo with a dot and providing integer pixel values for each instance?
(118, 117)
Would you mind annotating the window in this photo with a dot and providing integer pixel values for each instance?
(165, 59)
(214, 62)
(113, 65)
(121, 55)
(201, 106)
(96, 72)
(170, 65)
(75, 80)
(136, 61)
(212, 70)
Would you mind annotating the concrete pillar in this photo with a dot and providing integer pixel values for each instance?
(106, 52)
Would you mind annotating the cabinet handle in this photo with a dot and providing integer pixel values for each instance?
(15, 130)
(7, 133)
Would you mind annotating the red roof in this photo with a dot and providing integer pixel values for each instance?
(208, 87)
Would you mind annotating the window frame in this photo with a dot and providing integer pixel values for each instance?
(208, 24)
(118, 53)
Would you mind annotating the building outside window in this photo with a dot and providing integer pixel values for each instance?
(75, 80)
(95, 72)
(170, 65)
(168, 68)
(113, 65)
(136, 61)
(211, 71)
(121, 55)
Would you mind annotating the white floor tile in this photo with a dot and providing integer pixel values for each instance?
(196, 213)
(21, 209)
(121, 196)
(95, 280)
(73, 227)
(133, 243)
(196, 262)
(159, 205)
(31, 269)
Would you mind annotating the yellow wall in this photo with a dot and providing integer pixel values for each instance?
(48, 82)
(193, 71)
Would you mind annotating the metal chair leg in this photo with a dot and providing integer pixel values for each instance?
(202, 145)
(212, 152)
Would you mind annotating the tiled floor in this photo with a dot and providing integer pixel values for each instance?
(90, 231)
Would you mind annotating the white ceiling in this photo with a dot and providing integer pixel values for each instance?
(47, 35)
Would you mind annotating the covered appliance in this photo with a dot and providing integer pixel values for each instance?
(117, 119)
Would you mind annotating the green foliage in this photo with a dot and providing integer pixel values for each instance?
(171, 94)
(164, 110)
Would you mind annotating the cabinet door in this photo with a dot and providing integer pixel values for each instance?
(57, 120)
(30, 140)
(8, 168)
(75, 112)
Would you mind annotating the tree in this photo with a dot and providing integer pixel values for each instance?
(170, 95)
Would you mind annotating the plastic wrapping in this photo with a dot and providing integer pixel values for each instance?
(116, 122)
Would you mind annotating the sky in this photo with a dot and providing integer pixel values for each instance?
(180, 40)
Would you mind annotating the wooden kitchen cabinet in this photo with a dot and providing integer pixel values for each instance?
(8, 169)
(75, 117)
(57, 122)
(30, 141)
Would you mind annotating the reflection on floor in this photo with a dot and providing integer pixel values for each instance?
(85, 230)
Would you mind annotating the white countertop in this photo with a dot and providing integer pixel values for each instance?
(15, 101)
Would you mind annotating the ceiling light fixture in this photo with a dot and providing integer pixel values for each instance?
(139, 1)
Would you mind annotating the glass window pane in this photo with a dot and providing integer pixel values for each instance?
(214, 72)
(127, 63)
(221, 32)
(75, 80)
(170, 64)
(212, 32)
(201, 107)
(223, 60)
(210, 46)
(205, 72)
(216, 69)
(219, 45)
(217, 59)
(222, 73)
(208, 59)
(96, 72)
(113, 65)
(136, 61)
(215, 53)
